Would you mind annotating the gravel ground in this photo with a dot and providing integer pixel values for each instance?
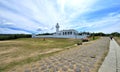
(85, 58)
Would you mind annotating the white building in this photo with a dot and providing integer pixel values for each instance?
(71, 33)
(65, 32)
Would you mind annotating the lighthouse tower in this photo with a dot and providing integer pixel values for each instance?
(57, 28)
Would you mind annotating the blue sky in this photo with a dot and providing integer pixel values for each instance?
(41, 16)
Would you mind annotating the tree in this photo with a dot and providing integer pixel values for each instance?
(115, 34)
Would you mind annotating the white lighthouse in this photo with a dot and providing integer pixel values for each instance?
(57, 28)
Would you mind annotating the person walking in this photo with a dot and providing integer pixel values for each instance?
(111, 37)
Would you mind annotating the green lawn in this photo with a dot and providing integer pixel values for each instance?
(26, 50)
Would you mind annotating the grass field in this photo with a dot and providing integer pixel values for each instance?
(26, 50)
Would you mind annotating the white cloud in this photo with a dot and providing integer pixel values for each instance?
(107, 24)
(44, 14)
(10, 31)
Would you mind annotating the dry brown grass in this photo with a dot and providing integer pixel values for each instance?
(27, 50)
(118, 40)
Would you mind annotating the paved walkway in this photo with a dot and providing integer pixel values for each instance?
(112, 60)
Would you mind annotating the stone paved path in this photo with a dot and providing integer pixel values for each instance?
(112, 60)
(80, 59)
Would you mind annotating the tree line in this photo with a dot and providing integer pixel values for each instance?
(13, 36)
(91, 34)
(114, 34)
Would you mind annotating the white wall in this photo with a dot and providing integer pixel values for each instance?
(63, 36)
